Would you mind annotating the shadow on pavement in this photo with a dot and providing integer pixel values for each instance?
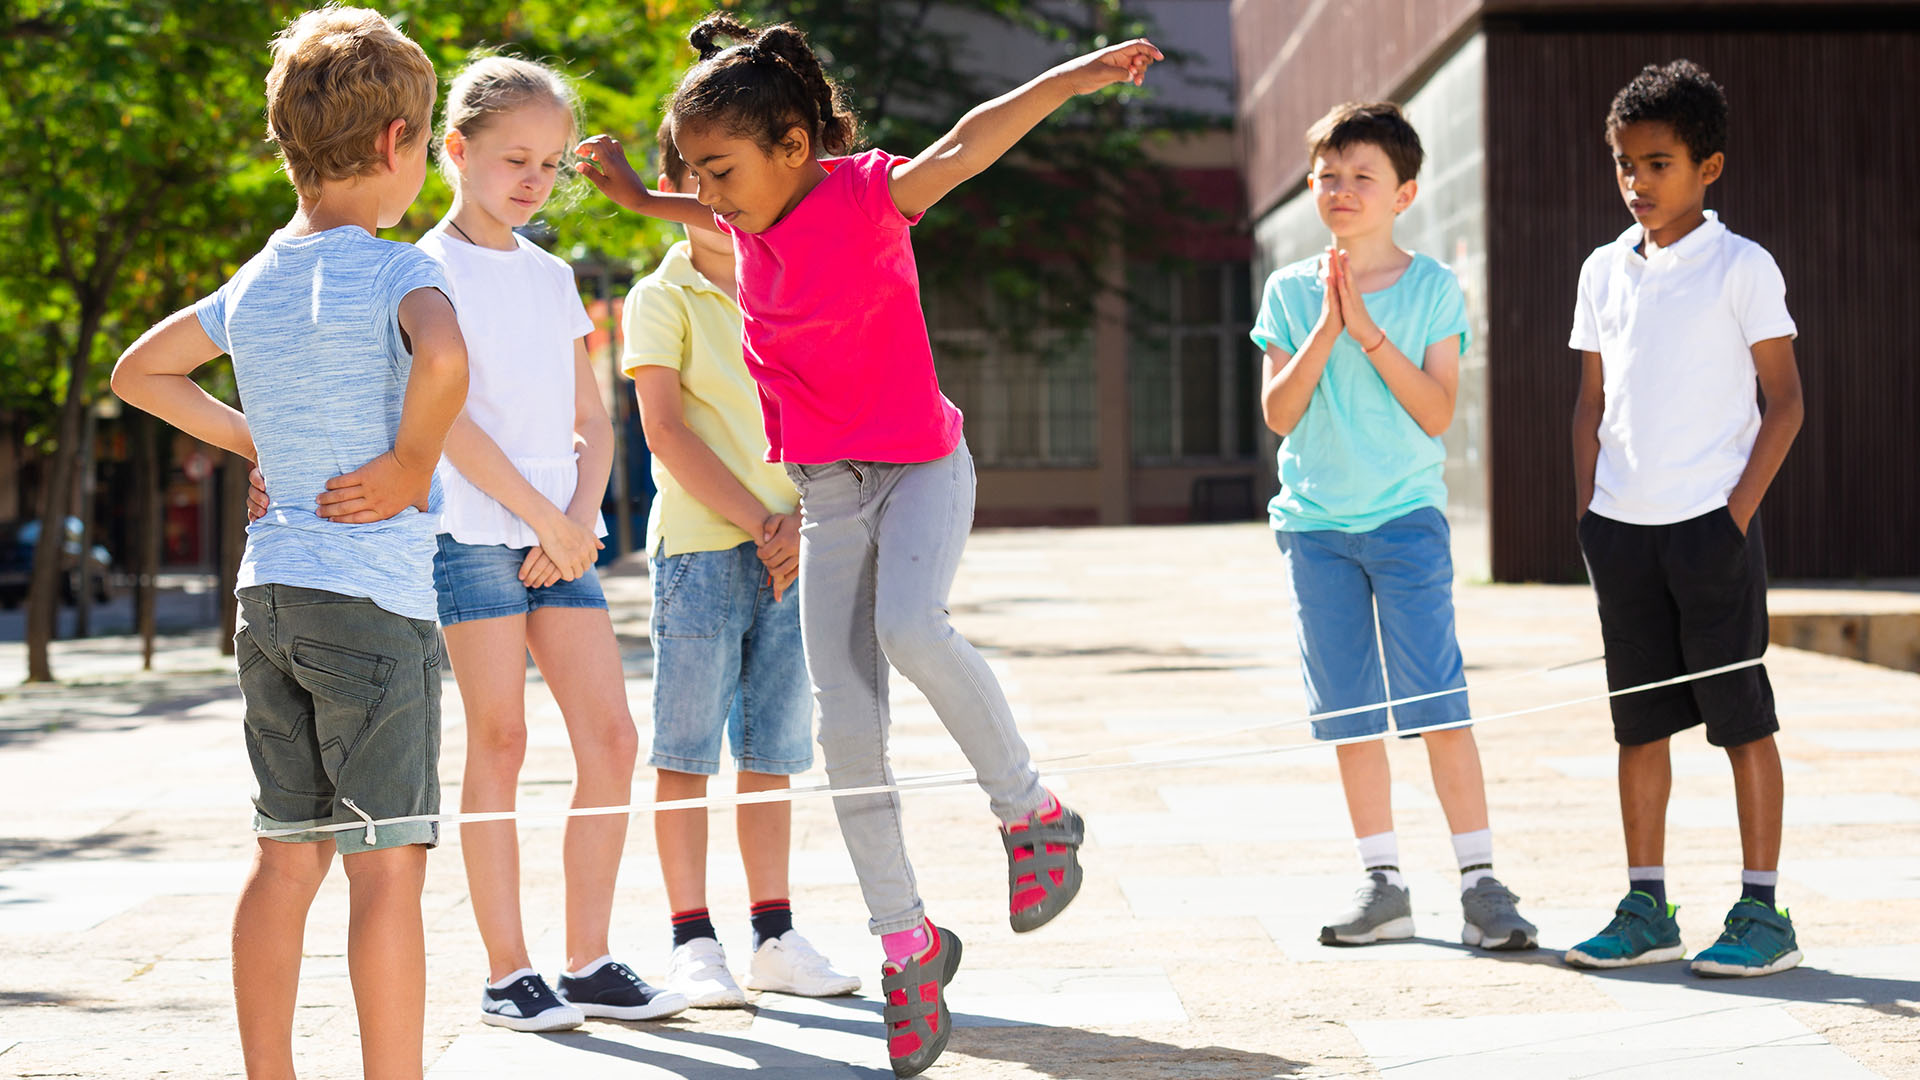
(1802, 984)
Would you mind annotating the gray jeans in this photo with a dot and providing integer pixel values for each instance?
(879, 546)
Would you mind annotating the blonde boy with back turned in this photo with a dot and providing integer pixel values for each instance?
(350, 362)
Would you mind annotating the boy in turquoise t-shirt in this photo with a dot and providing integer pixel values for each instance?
(1363, 347)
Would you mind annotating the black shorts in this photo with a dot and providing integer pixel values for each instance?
(1676, 599)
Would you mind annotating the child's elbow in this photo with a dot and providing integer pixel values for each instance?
(1437, 424)
(125, 379)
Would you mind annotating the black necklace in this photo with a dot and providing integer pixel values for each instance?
(455, 226)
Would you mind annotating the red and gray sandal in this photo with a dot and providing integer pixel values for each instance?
(918, 1024)
(1043, 865)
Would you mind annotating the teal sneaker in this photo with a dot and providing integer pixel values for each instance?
(1757, 941)
(1640, 933)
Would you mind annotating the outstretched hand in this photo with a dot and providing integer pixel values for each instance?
(1126, 62)
(604, 161)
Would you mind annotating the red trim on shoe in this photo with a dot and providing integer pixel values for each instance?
(899, 1046)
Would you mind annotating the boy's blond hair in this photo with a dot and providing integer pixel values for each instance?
(340, 76)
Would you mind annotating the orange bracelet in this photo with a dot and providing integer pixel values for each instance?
(1368, 349)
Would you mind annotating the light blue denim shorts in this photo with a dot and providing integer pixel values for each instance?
(1405, 567)
(727, 658)
(482, 581)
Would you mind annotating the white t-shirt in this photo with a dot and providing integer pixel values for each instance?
(520, 314)
(1675, 329)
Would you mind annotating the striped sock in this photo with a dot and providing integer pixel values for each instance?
(690, 925)
(1380, 854)
(771, 918)
(1651, 880)
(1474, 851)
(1759, 884)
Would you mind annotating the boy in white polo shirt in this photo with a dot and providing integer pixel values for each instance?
(1675, 322)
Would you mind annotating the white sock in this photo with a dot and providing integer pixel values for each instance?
(591, 968)
(1380, 853)
(1474, 850)
(509, 978)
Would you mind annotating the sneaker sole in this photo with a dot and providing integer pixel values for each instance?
(1392, 930)
(1517, 941)
(849, 985)
(736, 999)
(664, 1003)
(1715, 970)
(1661, 955)
(530, 1023)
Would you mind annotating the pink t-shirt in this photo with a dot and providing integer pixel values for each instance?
(835, 337)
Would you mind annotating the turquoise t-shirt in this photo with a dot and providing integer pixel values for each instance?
(1357, 459)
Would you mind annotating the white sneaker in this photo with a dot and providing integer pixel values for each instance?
(698, 970)
(789, 964)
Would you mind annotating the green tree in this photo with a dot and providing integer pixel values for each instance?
(1039, 228)
(124, 111)
(140, 180)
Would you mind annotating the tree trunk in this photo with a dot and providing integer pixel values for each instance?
(43, 591)
(85, 490)
(233, 542)
(148, 498)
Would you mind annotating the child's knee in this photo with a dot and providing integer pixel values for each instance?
(294, 865)
(497, 745)
(910, 636)
(612, 746)
(404, 866)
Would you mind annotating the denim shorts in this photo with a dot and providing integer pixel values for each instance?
(342, 702)
(481, 581)
(1405, 568)
(727, 658)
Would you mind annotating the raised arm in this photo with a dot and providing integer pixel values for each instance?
(604, 161)
(154, 375)
(990, 130)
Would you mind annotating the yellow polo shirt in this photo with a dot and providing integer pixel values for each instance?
(676, 318)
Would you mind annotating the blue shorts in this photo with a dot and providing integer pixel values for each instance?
(727, 658)
(1405, 567)
(481, 581)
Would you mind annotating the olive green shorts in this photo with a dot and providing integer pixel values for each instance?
(342, 705)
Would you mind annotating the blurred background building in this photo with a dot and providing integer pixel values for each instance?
(1510, 98)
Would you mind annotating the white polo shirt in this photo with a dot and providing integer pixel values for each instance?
(1675, 329)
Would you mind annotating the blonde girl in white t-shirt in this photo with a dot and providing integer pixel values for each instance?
(525, 468)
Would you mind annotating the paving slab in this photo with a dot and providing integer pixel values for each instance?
(1192, 952)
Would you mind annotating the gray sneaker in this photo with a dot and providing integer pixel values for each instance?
(1492, 922)
(1380, 912)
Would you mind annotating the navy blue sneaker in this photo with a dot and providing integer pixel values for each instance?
(526, 1003)
(611, 989)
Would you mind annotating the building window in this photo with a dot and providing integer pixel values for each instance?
(1193, 370)
(1029, 404)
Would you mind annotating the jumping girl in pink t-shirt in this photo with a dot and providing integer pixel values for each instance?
(836, 339)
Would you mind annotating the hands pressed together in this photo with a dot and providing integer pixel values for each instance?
(1341, 307)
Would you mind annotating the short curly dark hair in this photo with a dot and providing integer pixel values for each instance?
(1680, 95)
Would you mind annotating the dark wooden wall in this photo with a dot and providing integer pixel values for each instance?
(1823, 169)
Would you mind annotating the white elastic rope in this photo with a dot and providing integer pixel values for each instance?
(935, 781)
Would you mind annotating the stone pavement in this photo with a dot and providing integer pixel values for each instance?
(1191, 952)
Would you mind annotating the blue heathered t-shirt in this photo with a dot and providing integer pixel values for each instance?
(1357, 459)
(312, 323)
